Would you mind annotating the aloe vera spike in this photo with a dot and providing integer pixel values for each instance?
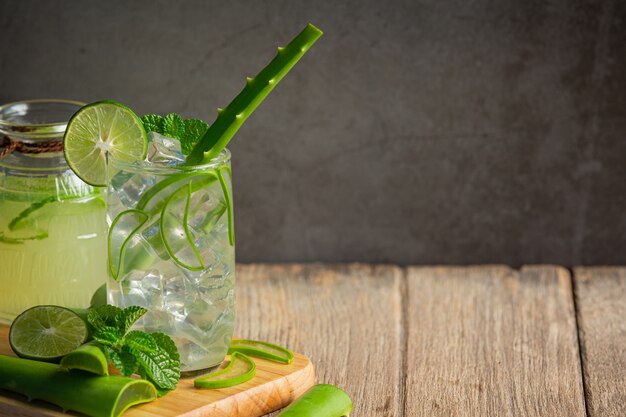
(320, 400)
(93, 395)
(168, 248)
(88, 357)
(226, 377)
(115, 273)
(229, 205)
(230, 119)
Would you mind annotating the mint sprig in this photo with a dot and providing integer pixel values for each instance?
(188, 132)
(151, 355)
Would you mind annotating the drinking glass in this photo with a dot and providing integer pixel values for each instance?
(171, 250)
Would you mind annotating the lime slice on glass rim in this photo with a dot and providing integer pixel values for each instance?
(47, 333)
(99, 129)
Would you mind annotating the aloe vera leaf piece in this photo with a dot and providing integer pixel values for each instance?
(240, 369)
(264, 350)
(229, 204)
(320, 400)
(164, 227)
(153, 191)
(20, 240)
(93, 395)
(88, 357)
(120, 256)
(230, 119)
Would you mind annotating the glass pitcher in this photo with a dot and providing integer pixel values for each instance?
(52, 224)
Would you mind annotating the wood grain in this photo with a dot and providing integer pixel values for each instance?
(347, 318)
(491, 341)
(601, 305)
(274, 386)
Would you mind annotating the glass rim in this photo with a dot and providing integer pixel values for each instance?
(140, 166)
(35, 130)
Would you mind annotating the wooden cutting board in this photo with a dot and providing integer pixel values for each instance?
(273, 387)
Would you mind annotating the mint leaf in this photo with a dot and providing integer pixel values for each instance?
(194, 130)
(123, 360)
(159, 367)
(173, 126)
(131, 315)
(108, 336)
(139, 341)
(152, 123)
(106, 315)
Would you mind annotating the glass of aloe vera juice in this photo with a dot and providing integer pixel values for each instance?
(171, 240)
(52, 229)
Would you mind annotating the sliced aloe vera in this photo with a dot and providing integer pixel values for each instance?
(24, 217)
(118, 241)
(20, 240)
(175, 231)
(93, 395)
(88, 357)
(240, 369)
(262, 350)
(229, 204)
(320, 400)
(149, 200)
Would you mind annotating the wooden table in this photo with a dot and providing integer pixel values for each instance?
(450, 341)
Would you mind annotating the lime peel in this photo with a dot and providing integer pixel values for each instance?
(240, 369)
(263, 350)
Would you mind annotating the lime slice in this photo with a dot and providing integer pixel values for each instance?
(98, 129)
(262, 350)
(47, 333)
(240, 369)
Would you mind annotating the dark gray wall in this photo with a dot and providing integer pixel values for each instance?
(413, 132)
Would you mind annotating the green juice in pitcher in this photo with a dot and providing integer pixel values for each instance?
(52, 225)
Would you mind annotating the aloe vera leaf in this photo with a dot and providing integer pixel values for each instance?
(229, 204)
(93, 395)
(20, 240)
(115, 271)
(163, 229)
(262, 350)
(230, 119)
(320, 400)
(153, 191)
(88, 357)
(240, 369)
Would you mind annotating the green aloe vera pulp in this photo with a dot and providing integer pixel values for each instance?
(230, 118)
(93, 395)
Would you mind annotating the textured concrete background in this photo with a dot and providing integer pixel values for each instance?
(413, 132)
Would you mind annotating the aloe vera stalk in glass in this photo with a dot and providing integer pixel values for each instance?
(52, 229)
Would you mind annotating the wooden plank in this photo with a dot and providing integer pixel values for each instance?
(601, 305)
(274, 386)
(347, 318)
(491, 341)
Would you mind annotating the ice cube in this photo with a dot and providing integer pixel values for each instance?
(162, 149)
